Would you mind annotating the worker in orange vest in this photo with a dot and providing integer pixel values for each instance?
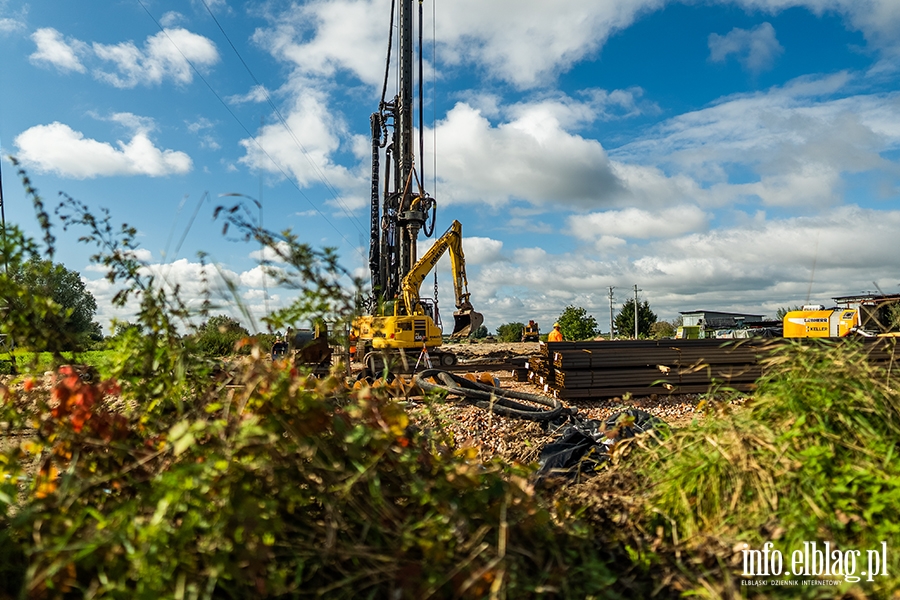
(555, 335)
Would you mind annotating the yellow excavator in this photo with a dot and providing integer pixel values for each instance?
(397, 325)
(406, 326)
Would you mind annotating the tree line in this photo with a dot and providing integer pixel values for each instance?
(76, 330)
(576, 324)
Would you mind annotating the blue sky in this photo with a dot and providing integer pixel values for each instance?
(722, 155)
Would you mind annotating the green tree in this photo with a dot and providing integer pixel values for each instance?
(218, 335)
(510, 332)
(481, 332)
(575, 324)
(662, 329)
(46, 279)
(784, 310)
(625, 319)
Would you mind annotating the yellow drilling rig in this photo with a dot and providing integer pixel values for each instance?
(398, 324)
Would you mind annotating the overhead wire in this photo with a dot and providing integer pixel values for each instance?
(250, 135)
(434, 97)
(322, 177)
(421, 108)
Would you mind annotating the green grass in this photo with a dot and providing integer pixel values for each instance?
(39, 362)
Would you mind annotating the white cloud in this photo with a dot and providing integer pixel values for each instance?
(54, 50)
(9, 25)
(793, 145)
(10, 21)
(537, 39)
(313, 37)
(166, 55)
(756, 49)
(200, 128)
(255, 278)
(482, 250)
(193, 279)
(531, 158)
(638, 223)
(257, 93)
(271, 255)
(171, 18)
(212, 4)
(305, 149)
(60, 149)
(879, 20)
(477, 250)
(199, 125)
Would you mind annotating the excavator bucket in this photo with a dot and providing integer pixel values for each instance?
(465, 322)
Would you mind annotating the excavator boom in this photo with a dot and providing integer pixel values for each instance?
(465, 319)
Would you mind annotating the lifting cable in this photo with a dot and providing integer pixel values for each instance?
(496, 400)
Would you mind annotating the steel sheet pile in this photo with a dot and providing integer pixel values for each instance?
(603, 369)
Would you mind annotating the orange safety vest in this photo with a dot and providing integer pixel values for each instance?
(555, 336)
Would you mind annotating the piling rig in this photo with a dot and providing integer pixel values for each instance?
(395, 328)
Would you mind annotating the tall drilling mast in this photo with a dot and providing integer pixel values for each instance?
(401, 209)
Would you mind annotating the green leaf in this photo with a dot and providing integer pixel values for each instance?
(183, 443)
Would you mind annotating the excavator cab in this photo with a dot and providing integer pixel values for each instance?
(465, 322)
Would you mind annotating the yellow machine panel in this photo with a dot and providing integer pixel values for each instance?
(403, 331)
(820, 323)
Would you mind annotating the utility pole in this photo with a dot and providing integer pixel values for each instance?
(636, 290)
(3, 219)
(611, 322)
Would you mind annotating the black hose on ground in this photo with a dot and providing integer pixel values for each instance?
(497, 400)
(582, 446)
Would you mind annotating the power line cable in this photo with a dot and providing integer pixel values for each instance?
(250, 135)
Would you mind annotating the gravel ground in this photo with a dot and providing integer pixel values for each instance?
(521, 440)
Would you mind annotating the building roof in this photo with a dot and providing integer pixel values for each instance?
(717, 312)
(864, 297)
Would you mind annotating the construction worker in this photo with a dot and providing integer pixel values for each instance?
(352, 340)
(555, 335)
(279, 348)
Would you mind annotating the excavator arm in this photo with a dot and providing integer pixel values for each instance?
(465, 318)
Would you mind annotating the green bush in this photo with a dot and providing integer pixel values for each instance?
(575, 324)
(220, 336)
(510, 332)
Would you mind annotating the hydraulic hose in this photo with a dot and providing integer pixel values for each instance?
(488, 397)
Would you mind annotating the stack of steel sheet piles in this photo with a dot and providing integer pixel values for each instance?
(607, 369)
(884, 351)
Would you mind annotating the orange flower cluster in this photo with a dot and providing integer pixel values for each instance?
(76, 401)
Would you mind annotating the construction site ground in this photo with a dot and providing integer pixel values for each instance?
(520, 440)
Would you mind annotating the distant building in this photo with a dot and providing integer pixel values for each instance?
(710, 319)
